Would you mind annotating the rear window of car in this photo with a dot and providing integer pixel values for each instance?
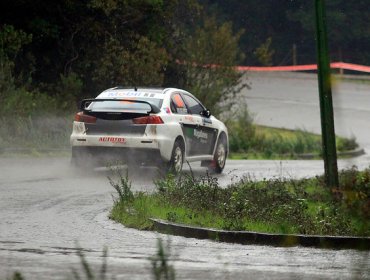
(126, 105)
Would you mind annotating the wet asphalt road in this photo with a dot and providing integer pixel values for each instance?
(47, 209)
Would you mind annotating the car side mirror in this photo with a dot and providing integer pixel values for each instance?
(206, 113)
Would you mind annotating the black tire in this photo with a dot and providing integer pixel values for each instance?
(177, 158)
(220, 156)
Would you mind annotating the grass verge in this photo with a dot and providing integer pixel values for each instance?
(273, 206)
(35, 135)
(279, 143)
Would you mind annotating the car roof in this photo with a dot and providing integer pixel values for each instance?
(121, 92)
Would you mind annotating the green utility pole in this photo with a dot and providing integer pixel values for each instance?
(326, 103)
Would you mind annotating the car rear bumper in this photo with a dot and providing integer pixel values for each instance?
(156, 137)
(136, 148)
(96, 156)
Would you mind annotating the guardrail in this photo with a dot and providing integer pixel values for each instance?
(308, 67)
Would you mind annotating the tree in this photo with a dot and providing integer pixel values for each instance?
(264, 53)
(261, 20)
(209, 60)
(348, 31)
(12, 42)
(140, 65)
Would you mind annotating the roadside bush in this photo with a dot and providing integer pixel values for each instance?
(69, 91)
(244, 137)
(33, 120)
(38, 132)
(242, 132)
(355, 191)
(303, 206)
(346, 144)
(196, 193)
(123, 188)
(250, 140)
(130, 208)
(239, 203)
(23, 103)
(282, 203)
(328, 219)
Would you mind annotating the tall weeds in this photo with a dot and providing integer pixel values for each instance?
(39, 132)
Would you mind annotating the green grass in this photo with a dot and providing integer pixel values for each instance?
(278, 143)
(272, 206)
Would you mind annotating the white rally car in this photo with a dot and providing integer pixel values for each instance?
(164, 127)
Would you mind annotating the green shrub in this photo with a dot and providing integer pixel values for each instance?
(277, 205)
(248, 139)
(238, 203)
(123, 188)
(242, 132)
(355, 191)
(69, 91)
(23, 103)
(346, 144)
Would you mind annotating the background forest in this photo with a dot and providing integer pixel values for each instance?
(53, 53)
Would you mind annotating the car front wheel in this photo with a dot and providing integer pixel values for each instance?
(220, 156)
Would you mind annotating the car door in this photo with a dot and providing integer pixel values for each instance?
(203, 135)
(189, 122)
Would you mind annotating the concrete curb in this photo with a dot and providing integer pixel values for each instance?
(250, 237)
(351, 153)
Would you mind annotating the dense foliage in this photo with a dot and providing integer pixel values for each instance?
(53, 53)
(292, 22)
(72, 49)
(66, 50)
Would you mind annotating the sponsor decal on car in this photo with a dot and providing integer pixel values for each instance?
(200, 134)
(112, 139)
(123, 94)
(166, 110)
(127, 94)
(206, 121)
(189, 118)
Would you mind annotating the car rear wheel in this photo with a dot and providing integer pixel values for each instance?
(177, 158)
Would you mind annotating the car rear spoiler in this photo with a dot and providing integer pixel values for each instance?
(85, 102)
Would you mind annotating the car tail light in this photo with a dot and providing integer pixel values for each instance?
(148, 120)
(81, 117)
